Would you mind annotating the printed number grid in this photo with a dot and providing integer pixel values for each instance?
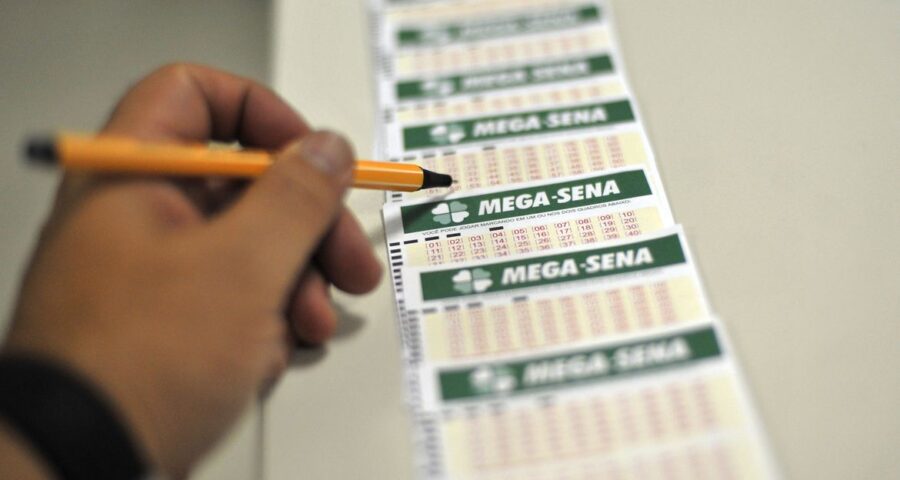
(504, 241)
(454, 58)
(445, 12)
(485, 330)
(681, 429)
(513, 164)
(497, 104)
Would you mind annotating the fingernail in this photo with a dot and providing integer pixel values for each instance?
(328, 153)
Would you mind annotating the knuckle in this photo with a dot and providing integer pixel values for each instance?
(342, 143)
(315, 329)
(305, 187)
(174, 69)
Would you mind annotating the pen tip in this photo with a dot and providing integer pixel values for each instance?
(41, 150)
(434, 179)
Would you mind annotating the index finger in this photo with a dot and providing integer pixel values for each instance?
(194, 103)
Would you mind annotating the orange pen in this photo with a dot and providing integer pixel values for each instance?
(126, 155)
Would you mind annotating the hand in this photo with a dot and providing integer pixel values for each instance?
(173, 305)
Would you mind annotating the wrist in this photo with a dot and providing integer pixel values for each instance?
(19, 458)
(93, 364)
(70, 424)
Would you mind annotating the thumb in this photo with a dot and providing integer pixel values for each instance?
(282, 217)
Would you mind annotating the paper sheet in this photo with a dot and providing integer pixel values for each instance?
(553, 321)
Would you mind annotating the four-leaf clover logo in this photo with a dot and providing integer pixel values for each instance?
(438, 88)
(445, 213)
(444, 133)
(436, 36)
(488, 380)
(468, 281)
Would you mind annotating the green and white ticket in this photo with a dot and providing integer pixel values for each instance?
(569, 368)
(504, 78)
(429, 28)
(571, 198)
(671, 405)
(493, 129)
(553, 321)
(474, 313)
(557, 269)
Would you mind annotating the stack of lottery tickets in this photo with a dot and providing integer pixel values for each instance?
(553, 322)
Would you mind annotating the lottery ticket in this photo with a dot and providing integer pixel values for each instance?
(527, 217)
(475, 84)
(439, 27)
(670, 406)
(489, 129)
(560, 369)
(528, 303)
(546, 269)
(553, 322)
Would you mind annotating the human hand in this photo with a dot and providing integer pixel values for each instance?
(172, 298)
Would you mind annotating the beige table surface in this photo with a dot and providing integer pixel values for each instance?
(776, 129)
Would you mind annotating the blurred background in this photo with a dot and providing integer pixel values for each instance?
(64, 66)
(777, 133)
(66, 63)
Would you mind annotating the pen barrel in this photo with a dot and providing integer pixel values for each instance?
(124, 155)
(388, 176)
(111, 154)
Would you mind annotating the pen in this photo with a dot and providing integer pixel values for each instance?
(125, 155)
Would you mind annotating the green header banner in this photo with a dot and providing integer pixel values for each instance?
(507, 78)
(550, 269)
(579, 367)
(516, 125)
(472, 31)
(520, 202)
